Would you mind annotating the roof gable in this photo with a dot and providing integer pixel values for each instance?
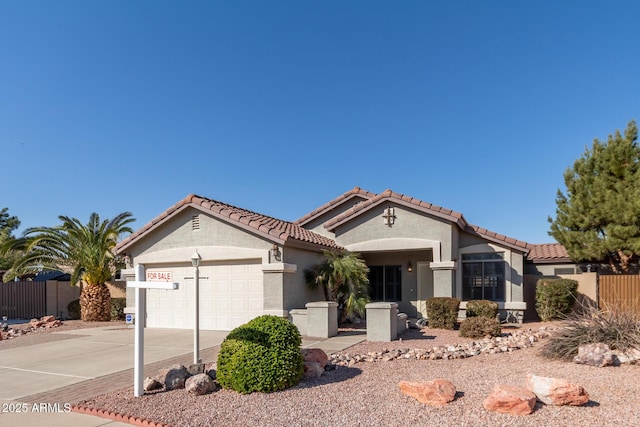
(400, 199)
(278, 231)
(355, 194)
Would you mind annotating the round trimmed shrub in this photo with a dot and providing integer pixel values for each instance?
(262, 355)
(482, 308)
(555, 298)
(442, 312)
(479, 327)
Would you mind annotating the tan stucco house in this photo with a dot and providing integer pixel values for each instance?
(253, 264)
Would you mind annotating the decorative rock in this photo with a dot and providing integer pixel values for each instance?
(437, 392)
(312, 369)
(594, 354)
(195, 368)
(631, 356)
(315, 355)
(174, 377)
(48, 319)
(150, 384)
(507, 399)
(212, 371)
(523, 338)
(200, 384)
(556, 391)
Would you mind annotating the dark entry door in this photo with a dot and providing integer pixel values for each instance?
(385, 283)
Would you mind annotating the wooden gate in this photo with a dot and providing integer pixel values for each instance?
(620, 291)
(23, 300)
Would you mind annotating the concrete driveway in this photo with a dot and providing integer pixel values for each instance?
(86, 362)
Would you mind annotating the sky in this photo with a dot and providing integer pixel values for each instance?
(280, 106)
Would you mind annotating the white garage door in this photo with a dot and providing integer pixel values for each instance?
(230, 295)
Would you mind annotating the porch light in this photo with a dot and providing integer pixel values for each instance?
(409, 267)
(195, 259)
(275, 252)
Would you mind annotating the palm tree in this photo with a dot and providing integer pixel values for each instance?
(343, 277)
(84, 251)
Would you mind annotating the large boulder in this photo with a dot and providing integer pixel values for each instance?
(200, 384)
(556, 391)
(506, 399)
(312, 369)
(598, 354)
(436, 393)
(174, 377)
(315, 355)
(151, 384)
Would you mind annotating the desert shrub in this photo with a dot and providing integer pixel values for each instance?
(482, 308)
(478, 327)
(617, 327)
(262, 355)
(442, 312)
(555, 297)
(74, 309)
(117, 308)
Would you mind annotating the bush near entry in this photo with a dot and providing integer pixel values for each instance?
(442, 312)
(262, 355)
(482, 308)
(555, 297)
(117, 308)
(479, 327)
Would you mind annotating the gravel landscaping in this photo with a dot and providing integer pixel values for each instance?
(367, 394)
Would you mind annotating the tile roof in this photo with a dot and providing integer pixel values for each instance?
(273, 229)
(351, 194)
(438, 211)
(548, 252)
(401, 199)
(497, 238)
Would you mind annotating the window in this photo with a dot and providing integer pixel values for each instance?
(385, 283)
(483, 277)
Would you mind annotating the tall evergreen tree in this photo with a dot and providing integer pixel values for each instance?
(599, 217)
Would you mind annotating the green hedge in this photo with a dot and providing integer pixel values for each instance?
(262, 355)
(555, 297)
(479, 327)
(482, 308)
(117, 308)
(442, 312)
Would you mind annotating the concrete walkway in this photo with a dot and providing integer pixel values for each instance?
(39, 382)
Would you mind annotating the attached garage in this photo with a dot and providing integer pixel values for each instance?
(231, 294)
(251, 265)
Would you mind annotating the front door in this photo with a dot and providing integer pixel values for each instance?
(385, 283)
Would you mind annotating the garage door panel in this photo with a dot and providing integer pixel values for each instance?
(230, 295)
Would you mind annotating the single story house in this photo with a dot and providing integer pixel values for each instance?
(253, 264)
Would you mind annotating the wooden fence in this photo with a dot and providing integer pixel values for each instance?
(23, 300)
(619, 290)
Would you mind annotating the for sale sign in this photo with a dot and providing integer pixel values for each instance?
(159, 276)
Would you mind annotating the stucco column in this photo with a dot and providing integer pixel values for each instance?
(444, 284)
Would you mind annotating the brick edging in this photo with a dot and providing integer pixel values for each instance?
(115, 416)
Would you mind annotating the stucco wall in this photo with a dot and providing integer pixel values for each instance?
(296, 293)
(177, 232)
(408, 224)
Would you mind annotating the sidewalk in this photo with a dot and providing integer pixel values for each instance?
(97, 361)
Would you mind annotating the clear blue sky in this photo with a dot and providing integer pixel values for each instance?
(280, 106)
